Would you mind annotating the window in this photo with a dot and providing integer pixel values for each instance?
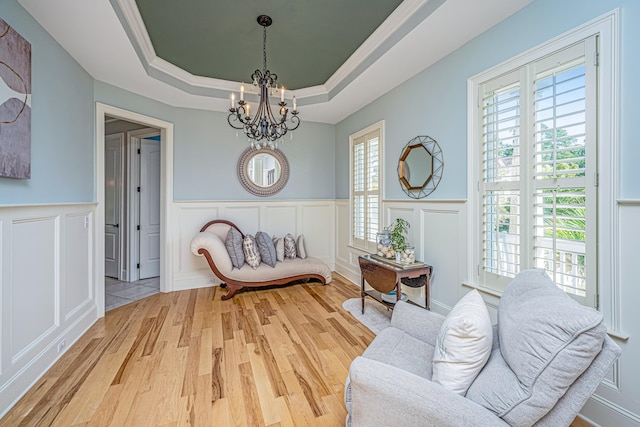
(366, 192)
(536, 171)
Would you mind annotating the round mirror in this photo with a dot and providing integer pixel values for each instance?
(420, 167)
(263, 172)
(263, 169)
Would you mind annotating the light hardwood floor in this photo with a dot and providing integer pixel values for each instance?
(276, 357)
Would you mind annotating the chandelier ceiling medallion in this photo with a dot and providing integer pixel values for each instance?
(263, 125)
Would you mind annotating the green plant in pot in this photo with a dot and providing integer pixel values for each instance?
(398, 234)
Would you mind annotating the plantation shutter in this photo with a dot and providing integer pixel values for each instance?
(538, 172)
(564, 168)
(366, 190)
(500, 184)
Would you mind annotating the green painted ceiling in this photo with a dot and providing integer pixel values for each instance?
(307, 42)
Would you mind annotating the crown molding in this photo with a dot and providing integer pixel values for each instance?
(398, 24)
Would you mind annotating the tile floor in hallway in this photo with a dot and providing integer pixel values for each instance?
(119, 293)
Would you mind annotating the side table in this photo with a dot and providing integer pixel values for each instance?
(385, 276)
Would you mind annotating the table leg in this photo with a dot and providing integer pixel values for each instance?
(362, 294)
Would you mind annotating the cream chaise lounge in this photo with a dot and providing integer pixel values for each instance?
(210, 243)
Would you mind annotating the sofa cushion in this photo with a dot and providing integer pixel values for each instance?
(233, 243)
(266, 248)
(395, 347)
(251, 253)
(464, 344)
(278, 243)
(290, 247)
(300, 247)
(546, 341)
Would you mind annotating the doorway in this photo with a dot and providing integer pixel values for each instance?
(114, 233)
(132, 211)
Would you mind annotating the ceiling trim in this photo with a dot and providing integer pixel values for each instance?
(93, 34)
(401, 21)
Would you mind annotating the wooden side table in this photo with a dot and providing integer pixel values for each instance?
(386, 276)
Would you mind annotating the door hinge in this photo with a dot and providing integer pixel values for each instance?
(596, 179)
(138, 151)
(596, 301)
(596, 59)
(138, 189)
(138, 266)
(138, 228)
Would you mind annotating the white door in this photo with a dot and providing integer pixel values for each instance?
(113, 204)
(149, 208)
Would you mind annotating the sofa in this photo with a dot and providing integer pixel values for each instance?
(546, 356)
(210, 243)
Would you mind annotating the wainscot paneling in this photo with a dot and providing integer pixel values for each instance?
(47, 295)
(615, 402)
(313, 218)
(438, 233)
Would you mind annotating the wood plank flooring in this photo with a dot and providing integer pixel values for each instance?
(275, 357)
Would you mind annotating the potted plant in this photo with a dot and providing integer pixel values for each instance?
(397, 234)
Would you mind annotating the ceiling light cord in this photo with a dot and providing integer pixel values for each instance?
(264, 124)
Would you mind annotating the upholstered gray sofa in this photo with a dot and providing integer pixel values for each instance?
(549, 354)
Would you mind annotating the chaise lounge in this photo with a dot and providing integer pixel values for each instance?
(210, 243)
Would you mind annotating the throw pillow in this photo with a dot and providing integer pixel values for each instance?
(300, 248)
(266, 248)
(251, 253)
(279, 244)
(464, 344)
(233, 243)
(290, 247)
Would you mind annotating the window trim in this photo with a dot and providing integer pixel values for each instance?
(606, 27)
(378, 126)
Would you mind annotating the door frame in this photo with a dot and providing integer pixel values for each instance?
(133, 200)
(121, 213)
(166, 196)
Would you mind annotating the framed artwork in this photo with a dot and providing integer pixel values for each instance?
(15, 104)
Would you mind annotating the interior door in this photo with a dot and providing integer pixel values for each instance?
(149, 208)
(113, 204)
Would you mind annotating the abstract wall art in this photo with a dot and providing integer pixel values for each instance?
(15, 104)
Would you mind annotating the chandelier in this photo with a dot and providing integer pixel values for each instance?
(263, 125)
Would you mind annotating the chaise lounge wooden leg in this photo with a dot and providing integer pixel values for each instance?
(232, 291)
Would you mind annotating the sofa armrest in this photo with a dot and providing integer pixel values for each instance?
(213, 244)
(416, 321)
(382, 395)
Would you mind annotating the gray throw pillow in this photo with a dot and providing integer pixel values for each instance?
(279, 245)
(251, 253)
(233, 243)
(300, 248)
(266, 248)
(290, 247)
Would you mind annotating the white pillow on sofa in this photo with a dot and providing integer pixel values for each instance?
(464, 344)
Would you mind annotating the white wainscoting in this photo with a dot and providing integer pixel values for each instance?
(616, 401)
(313, 218)
(47, 290)
(438, 233)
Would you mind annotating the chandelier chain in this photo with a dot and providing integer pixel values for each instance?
(264, 49)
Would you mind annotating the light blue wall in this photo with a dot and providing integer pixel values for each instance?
(206, 151)
(62, 124)
(434, 102)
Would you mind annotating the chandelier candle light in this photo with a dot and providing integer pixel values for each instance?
(264, 124)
